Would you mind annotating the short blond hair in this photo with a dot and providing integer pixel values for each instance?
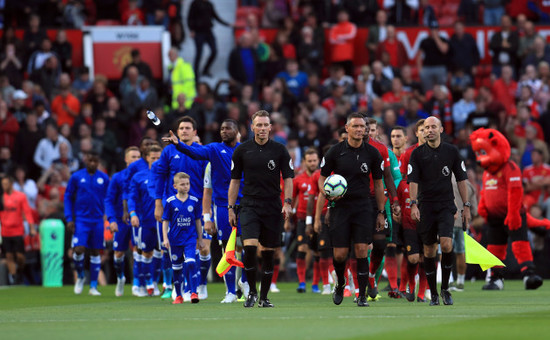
(180, 175)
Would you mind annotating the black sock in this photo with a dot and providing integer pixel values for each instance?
(249, 262)
(340, 269)
(446, 268)
(362, 275)
(429, 266)
(267, 272)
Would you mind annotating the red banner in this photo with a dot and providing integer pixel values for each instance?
(110, 58)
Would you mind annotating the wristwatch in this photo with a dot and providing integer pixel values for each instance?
(382, 212)
(288, 200)
(467, 204)
(231, 207)
(414, 202)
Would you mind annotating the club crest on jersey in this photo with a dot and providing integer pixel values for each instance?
(174, 257)
(100, 181)
(491, 184)
(271, 164)
(190, 208)
(364, 168)
(445, 171)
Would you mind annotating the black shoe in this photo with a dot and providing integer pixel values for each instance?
(372, 292)
(338, 294)
(435, 300)
(250, 300)
(239, 293)
(410, 297)
(447, 298)
(362, 301)
(494, 284)
(394, 293)
(532, 282)
(265, 304)
(419, 299)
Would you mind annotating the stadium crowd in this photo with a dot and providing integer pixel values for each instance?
(52, 114)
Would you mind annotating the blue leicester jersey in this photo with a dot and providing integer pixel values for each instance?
(139, 199)
(219, 155)
(131, 170)
(153, 175)
(170, 163)
(85, 196)
(113, 199)
(182, 217)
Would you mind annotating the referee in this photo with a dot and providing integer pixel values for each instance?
(429, 177)
(262, 162)
(351, 217)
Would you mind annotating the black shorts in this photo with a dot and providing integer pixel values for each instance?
(301, 236)
(262, 220)
(320, 241)
(436, 218)
(412, 242)
(351, 222)
(13, 244)
(396, 234)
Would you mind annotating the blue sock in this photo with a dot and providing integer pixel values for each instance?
(178, 277)
(79, 264)
(119, 266)
(157, 265)
(229, 278)
(148, 270)
(141, 271)
(167, 269)
(186, 284)
(135, 269)
(95, 267)
(191, 275)
(205, 267)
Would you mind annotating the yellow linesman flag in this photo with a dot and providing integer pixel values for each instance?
(228, 259)
(477, 254)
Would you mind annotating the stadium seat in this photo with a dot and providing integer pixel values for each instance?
(243, 12)
(107, 22)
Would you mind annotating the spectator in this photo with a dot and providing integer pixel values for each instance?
(433, 66)
(9, 37)
(536, 178)
(480, 118)
(200, 22)
(464, 52)
(182, 79)
(468, 11)
(318, 31)
(137, 127)
(393, 48)
(377, 34)
(6, 161)
(527, 39)
(208, 116)
(410, 85)
(459, 81)
(117, 120)
(341, 37)
(133, 15)
(106, 142)
(540, 53)
(74, 14)
(48, 147)
(143, 68)
(295, 79)
(425, 14)
(8, 127)
(39, 57)
(378, 83)
(395, 96)
(526, 98)
(66, 163)
(34, 36)
(362, 12)
(18, 108)
(541, 9)
(463, 108)
(159, 18)
(273, 14)
(64, 50)
(282, 48)
(131, 82)
(243, 62)
(440, 106)
(505, 89)
(529, 79)
(527, 144)
(504, 45)
(25, 185)
(82, 84)
(11, 66)
(50, 181)
(338, 77)
(310, 52)
(65, 106)
(99, 95)
(27, 139)
(493, 11)
(47, 76)
(143, 96)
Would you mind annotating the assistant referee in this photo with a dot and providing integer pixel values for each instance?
(351, 217)
(429, 177)
(262, 162)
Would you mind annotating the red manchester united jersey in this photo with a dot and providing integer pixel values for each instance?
(314, 190)
(496, 188)
(532, 174)
(301, 187)
(405, 203)
(404, 160)
(385, 156)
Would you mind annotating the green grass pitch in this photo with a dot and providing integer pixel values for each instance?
(56, 313)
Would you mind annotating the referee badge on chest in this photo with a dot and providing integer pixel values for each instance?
(271, 164)
(364, 168)
(445, 171)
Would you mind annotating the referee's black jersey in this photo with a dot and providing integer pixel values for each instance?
(262, 167)
(355, 165)
(431, 169)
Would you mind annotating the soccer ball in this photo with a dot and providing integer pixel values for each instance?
(335, 185)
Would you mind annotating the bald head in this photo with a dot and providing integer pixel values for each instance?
(432, 120)
(432, 131)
